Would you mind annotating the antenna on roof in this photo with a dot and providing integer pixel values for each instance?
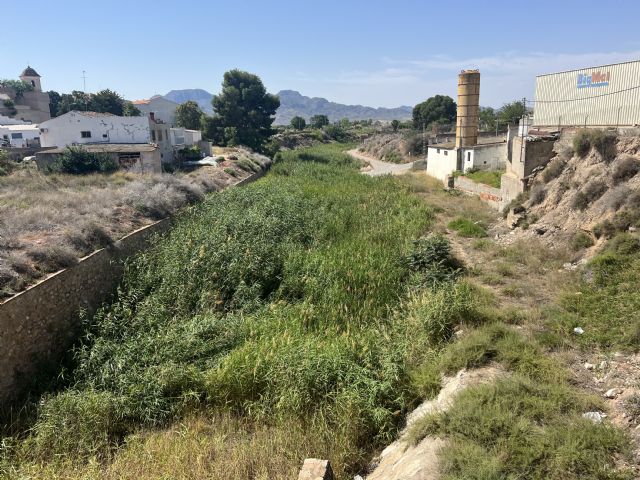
(84, 89)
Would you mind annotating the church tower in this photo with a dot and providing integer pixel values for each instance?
(30, 76)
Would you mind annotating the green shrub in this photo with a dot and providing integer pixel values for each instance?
(582, 142)
(432, 259)
(467, 228)
(580, 241)
(77, 161)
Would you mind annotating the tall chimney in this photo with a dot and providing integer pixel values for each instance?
(468, 108)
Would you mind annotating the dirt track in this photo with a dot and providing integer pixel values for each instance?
(378, 167)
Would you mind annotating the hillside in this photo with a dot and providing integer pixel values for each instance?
(590, 190)
(198, 95)
(292, 103)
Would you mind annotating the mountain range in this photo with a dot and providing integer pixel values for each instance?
(293, 103)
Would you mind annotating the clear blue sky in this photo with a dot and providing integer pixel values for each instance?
(370, 52)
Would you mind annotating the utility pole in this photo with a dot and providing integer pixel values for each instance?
(424, 148)
(84, 89)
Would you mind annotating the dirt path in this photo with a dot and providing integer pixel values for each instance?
(378, 167)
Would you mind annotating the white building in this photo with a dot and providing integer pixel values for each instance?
(90, 127)
(20, 136)
(444, 159)
(163, 109)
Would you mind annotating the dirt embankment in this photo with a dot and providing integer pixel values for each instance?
(584, 196)
(398, 147)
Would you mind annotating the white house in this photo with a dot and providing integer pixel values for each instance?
(20, 136)
(163, 109)
(444, 159)
(90, 127)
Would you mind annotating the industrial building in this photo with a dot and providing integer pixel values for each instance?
(467, 153)
(602, 96)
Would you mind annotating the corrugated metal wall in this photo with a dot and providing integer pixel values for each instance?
(592, 96)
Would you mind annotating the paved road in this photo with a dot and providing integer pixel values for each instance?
(379, 167)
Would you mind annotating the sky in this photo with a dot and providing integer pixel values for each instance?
(379, 53)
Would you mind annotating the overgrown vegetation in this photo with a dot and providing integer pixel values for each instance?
(467, 228)
(76, 160)
(490, 427)
(605, 304)
(603, 141)
(262, 302)
(64, 215)
(491, 178)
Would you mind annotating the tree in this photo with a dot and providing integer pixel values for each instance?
(487, 118)
(75, 100)
(245, 110)
(212, 129)
(298, 123)
(130, 110)
(511, 113)
(18, 86)
(395, 124)
(106, 101)
(439, 109)
(54, 102)
(319, 121)
(189, 115)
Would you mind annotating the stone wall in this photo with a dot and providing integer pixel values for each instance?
(39, 325)
(488, 194)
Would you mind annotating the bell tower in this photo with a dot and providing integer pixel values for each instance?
(30, 76)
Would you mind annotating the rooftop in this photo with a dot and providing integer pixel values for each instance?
(23, 127)
(482, 141)
(29, 72)
(110, 148)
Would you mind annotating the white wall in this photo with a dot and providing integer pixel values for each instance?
(28, 133)
(485, 157)
(162, 108)
(66, 129)
(441, 162)
(192, 137)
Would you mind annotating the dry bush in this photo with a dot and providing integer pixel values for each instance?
(590, 193)
(615, 198)
(538, 194)
(52, 258)
(553, 169)
(625, 167)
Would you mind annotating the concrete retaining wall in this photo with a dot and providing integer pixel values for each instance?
(488, 194)
(39, 325)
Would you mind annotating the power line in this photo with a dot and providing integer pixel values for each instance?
(584, 98)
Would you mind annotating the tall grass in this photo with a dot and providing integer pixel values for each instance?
(274, 302)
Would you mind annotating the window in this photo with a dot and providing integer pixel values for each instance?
(438, 150)
(159, 135)
(468, 156)
(153, 135)
(85, 134)
(446, 153)
(104, 135)
(16, 135)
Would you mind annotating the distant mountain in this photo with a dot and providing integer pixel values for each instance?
(292, 103)
(198, 95)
